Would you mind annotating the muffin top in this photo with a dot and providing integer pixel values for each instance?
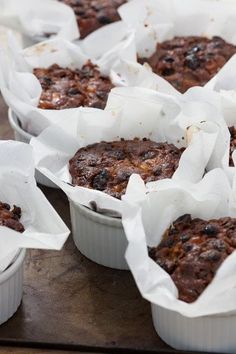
(10, 218)
(192, 250)
(107, 166)
(232, 131)
(66, 88)
(190, 61)
(93, 14)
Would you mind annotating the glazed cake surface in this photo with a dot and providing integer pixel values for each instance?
(11, 217)
(93, 14)
(107, 166)
(66, 88)
(190, 61)
(192, 250)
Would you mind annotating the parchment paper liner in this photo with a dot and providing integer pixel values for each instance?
(43, 227)
(159, 20)
(147, 212)
(23, 136)
(35, 18)
(130, 113)
(21, 89)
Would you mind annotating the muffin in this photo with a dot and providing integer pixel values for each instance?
(93, 14)
(10, 217)
(190, 61)
(66, 88)
(107, 166)
(192, 250)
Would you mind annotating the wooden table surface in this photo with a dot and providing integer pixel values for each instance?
(72, 304)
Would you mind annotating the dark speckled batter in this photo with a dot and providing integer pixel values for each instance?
(190, 61)
(67, 88)
(107, 166)
(93, 14)
(10, 218)
(192, 250)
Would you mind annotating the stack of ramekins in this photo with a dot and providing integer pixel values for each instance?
(132, 115)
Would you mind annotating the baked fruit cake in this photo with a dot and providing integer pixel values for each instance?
(190, 61)
(107, 166)
(232, 131)
(192, 250)
(93, 14)
(66, 88)
(10, 218)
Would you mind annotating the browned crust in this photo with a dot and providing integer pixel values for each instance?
(10, 217)
(93, 14)
(107, 166)
(190, 61)
(66, 88)
(192, 250)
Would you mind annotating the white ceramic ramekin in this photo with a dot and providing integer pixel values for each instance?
(207, 334)
(11, 288)
(98, 237)
(22, 135)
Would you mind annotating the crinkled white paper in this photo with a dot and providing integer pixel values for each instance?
(128, 73)
(159, 20)
(152, 21)
(200, 17)
(34, 18)
(220, 155)
(224, 87)
(43, 227)
(130, 113)
(21, 89)
(219, 92)
(108, 41)
(149, 211)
